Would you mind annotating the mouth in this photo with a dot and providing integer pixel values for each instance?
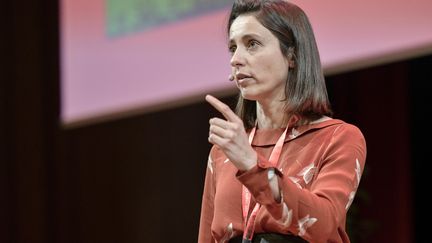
(241, 77)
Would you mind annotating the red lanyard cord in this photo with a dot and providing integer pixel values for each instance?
(249, 223)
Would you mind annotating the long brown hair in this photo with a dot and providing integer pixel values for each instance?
(305, 89)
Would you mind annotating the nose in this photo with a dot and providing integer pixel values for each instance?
(237, 58)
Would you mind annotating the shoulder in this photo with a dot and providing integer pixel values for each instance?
(347, 130)
(339, 131)
(347, 136)
(337, 125)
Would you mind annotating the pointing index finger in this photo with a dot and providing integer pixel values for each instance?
(222, 108)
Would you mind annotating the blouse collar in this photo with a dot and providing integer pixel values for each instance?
(267, 137)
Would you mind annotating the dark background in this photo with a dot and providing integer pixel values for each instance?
(140, 179)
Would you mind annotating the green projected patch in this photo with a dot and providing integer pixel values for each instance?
(127, 16)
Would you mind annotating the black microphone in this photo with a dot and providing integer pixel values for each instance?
(231, 77)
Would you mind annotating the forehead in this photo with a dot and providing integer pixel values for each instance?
(247, 25)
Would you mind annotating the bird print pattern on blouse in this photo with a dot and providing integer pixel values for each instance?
(287, 215)
(210, 164)
(229, 233)
(307, 173)
(358, 176)
(294, 133)
(305, 223)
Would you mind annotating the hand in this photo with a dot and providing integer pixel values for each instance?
(231, 136)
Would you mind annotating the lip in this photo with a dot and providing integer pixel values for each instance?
(242, 77)
(243, 81)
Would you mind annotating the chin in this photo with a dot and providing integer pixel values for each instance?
(248, 95)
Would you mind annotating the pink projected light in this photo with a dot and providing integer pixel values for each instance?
(177, 63)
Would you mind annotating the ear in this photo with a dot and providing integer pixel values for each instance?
(291, 61)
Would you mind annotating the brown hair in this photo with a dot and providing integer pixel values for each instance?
(305, 89)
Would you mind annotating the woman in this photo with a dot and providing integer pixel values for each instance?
(280, 169)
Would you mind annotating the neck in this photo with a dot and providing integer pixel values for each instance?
(271, 114)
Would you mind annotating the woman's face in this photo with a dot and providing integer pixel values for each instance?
(258, 65)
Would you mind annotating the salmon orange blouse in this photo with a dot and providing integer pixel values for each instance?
(319, 171)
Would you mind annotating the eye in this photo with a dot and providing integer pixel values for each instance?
(232, 49)
(252, 44)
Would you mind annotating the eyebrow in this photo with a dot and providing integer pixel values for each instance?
(246, 36)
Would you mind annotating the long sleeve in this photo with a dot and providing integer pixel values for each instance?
(207, 207)
(315, 198)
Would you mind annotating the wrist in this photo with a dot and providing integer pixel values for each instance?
(249, 164)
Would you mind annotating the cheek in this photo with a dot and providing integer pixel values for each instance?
(281, 66)
(275, 69)
(265, 67)
(283, 72)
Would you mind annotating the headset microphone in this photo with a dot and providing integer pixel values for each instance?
(231, 77)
